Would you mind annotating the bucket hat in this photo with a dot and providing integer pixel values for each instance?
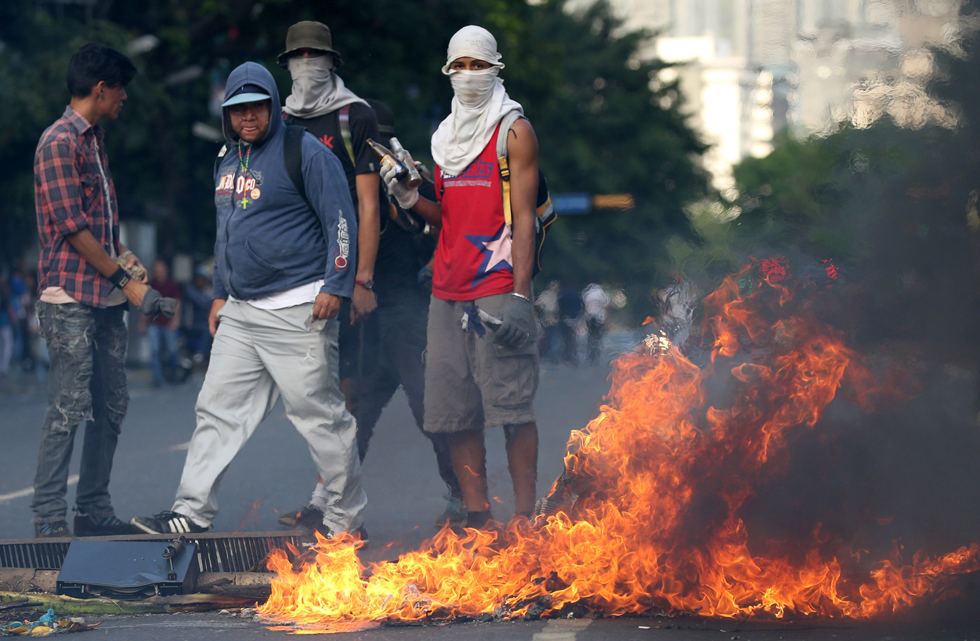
(308, 35)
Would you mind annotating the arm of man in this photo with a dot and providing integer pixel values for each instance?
(411, 198)
(429, 210)
(522, 155)
(368, 237)
(326, 187)
(364, 125)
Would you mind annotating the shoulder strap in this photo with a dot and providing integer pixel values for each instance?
(344, 117)
(503, 133)
(292, 154)
(217, 161)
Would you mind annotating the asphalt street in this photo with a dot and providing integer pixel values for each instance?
(274, 474)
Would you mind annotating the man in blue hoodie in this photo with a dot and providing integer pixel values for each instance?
(283, 261)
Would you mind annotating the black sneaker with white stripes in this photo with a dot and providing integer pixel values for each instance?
(167, 522)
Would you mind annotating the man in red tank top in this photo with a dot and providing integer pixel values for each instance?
(474, 377)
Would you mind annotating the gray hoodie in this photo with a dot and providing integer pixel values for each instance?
(273, 242)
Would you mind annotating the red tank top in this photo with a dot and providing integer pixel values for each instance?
(473, 257)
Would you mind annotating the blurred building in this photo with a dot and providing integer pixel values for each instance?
(752, 68)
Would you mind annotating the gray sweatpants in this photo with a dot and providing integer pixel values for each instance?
(258, 355)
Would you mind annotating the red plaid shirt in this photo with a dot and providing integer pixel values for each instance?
(69, 196)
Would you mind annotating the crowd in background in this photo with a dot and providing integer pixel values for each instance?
(179, 344)
(19, 344)
(176, 345)
(565, 313)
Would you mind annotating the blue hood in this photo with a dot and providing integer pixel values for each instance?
(279, 239)
(252, 73)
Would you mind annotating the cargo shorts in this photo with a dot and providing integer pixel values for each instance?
(472, 381)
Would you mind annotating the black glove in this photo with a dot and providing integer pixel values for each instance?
(518, 322)
(153, 304)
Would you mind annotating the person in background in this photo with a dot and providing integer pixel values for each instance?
(84, 295)
(596, 302)
(547, 306)
(483, 262)
(677, 304)
(161, 330)
(7, 318)
(20, 298)
(570, 311)
(197, 296)
(341, 120)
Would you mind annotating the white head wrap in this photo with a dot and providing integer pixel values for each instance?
(317, 90)
(478, 106)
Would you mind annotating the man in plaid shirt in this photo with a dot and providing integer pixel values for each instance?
(83, 296)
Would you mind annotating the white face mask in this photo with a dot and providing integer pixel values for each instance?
(474, 88)
(316, 88)
(305, 66)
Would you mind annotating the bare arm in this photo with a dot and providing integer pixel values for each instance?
(431, 212)
(90, 249)
(368, 233)
(522, 154)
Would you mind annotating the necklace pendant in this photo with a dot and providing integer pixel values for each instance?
(245, 202)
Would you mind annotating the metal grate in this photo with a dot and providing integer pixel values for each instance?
(48, 555)
(215, 552)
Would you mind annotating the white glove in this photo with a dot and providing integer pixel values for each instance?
(406, 197)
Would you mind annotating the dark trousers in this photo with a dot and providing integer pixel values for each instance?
(86, 382)
(403, 318)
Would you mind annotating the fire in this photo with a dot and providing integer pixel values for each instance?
(651, 499)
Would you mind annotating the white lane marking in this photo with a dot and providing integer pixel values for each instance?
(562, 630)
(28, 491)
(180, 447)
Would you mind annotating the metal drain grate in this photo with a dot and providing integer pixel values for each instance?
(216, 552)
(28, 553)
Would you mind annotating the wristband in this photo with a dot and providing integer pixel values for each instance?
(521, 296)
(128, 252)
(119, 278)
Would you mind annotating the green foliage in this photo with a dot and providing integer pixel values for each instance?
(895, 208)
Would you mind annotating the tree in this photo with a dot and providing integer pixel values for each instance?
(607, 126)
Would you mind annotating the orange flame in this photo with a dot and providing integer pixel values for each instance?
(660, 477)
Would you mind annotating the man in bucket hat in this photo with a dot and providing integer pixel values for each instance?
(343, 122)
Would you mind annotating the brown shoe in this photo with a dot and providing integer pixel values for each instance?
(56, 530)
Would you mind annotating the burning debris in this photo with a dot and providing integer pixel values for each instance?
(647, 515)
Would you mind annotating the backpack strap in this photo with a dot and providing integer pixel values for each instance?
(344, 117)
(217, 161)
(292, 155)
(502, 134)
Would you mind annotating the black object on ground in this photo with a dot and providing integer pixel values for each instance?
(127, 569)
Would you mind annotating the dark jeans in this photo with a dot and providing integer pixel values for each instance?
(86, 382)
(163, 342)
(403, 317)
